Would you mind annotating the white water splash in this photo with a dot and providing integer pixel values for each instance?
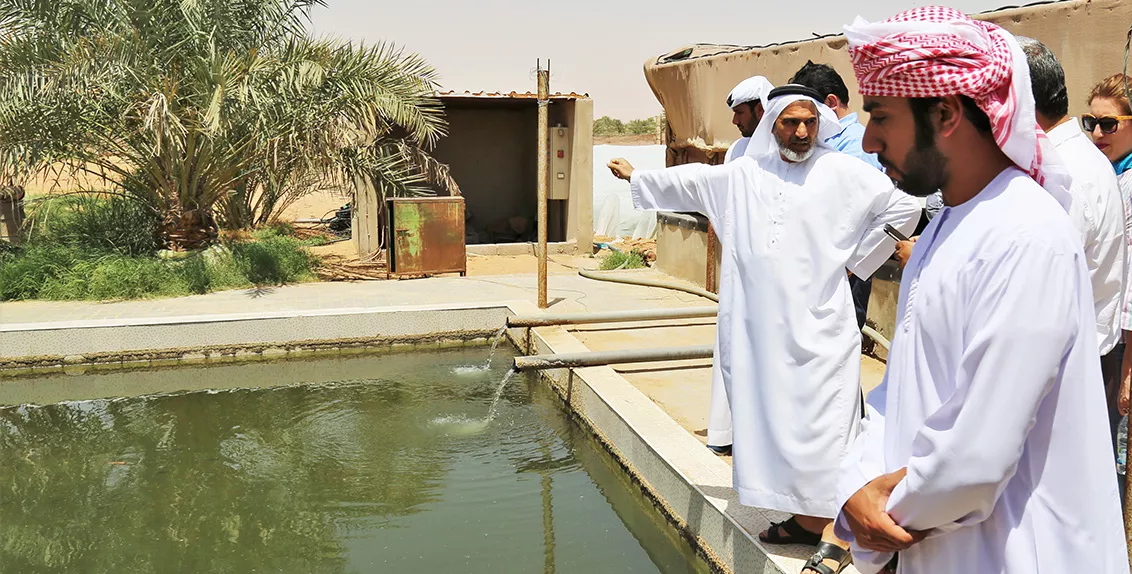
(464, 370)
(460, 425)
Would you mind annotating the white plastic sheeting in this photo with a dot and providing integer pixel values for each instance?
(614, 215)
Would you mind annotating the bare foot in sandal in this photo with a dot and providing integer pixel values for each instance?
(828, 559)
(832, 554)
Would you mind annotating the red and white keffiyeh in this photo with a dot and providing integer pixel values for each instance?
(936, 51)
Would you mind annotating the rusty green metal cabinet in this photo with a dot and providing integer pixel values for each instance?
(426, 236)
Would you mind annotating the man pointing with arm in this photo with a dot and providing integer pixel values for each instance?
(792, 215)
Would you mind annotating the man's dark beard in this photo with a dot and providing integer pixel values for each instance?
(925, 167)
(925, 171)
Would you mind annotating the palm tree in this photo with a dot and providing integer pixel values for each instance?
(211, 112)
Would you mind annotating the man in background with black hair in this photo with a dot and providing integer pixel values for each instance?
(1097, 212)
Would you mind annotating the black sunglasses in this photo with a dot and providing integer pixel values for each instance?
(1108, 124)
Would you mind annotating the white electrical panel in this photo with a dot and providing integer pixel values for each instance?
(559, 187)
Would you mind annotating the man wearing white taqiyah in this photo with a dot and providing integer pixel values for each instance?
(795, 214)
(748, 102)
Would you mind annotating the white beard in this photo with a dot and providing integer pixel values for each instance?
(796, 157)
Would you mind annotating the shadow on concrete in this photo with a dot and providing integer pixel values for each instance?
(666, 369)
(259, 291)
(754, 521)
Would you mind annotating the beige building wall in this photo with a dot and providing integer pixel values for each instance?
(682, 252)
(1087, 36)
(580, 213)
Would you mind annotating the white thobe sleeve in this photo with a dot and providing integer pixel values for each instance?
(893, 207)
(1082, 213)
(1021, 320)
(730, 155)
(692, 187)
(1125, 316)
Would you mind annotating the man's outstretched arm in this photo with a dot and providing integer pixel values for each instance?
(693, 187)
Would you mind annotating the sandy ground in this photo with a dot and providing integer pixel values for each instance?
(316, 206)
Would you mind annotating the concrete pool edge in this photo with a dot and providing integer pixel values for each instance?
(688, 483)
(40, 347)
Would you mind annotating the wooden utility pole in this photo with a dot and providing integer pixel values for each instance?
(1127, 482)
(543, 126)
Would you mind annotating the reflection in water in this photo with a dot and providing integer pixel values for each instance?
(395, 473)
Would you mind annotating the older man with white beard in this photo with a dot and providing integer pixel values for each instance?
(793, 215)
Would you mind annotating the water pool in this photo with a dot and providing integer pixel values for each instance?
(382, 463)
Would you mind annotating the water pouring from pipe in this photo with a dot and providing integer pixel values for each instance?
(486, 365)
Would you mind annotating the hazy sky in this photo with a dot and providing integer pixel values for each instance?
(597, 47)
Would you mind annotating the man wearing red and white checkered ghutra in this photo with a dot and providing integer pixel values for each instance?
(986, 448)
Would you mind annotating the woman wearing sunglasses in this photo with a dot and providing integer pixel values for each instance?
(1110, 125)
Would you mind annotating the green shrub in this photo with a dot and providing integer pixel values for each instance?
(274, 260)
(89, 222)
(623, 260)
(85, 247)
(277, 229)
(67, 273)
(24, 272)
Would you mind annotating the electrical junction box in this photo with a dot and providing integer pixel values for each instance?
(559, 172)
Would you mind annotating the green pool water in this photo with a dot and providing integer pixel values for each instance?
(352, 464)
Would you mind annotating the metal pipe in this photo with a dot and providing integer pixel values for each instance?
(613, 317)
(629, 280)
(598, 358)
(543, 125)
(876, 336)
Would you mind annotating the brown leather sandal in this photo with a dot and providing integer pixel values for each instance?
(790, 532)
(827, 551)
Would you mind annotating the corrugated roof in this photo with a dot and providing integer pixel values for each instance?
(510, 95)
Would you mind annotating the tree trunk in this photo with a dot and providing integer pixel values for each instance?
(188, 230)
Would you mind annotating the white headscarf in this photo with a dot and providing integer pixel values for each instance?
(763, 142)
(749, 90)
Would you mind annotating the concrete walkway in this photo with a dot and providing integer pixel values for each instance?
(567, 293)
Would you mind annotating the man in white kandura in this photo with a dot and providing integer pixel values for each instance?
(794, 215)
(748, 103)
(1097, 211)
(986, 448)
